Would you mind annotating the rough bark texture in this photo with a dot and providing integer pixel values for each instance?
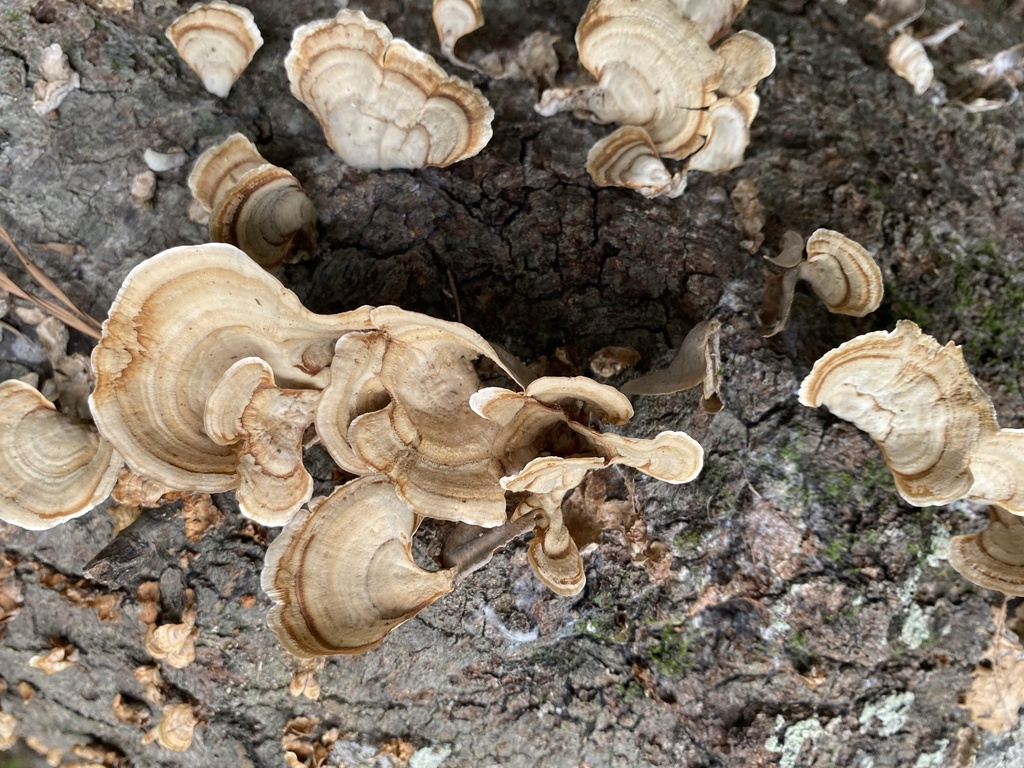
(806, 619)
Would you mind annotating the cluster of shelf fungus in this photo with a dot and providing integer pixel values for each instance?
(210, 376)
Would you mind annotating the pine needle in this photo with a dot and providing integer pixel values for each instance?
(64, 309)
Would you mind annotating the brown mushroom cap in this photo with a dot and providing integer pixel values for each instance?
(217, 40)
(180, 320)
(552, 554)
(842, 274)
(747, 59)
(917, 401)
(908, 59)
(993, 558)
(355, 388)
(674, 457)
(427, 439)
(398, 403)
(51, 469)
(728, 134)
(264, 425)
(380, 102)
(343, 576)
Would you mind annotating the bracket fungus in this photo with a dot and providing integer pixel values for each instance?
(53, 469)
(342, 574)
(628, 158)
(58, 80)
(917, 401)
(180, 320)
(712, 17)
(176, 728)
(670, 456)
(632, 48)
(909, 60)
(401, 407)
(994, 557)
(217, 40)
(253, 204)
(840, 271)
(998, 469)
(454, 19)
(552, 554)
(699, 114)
(264, 425)
(382, 103)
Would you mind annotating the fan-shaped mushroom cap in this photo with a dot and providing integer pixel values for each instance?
(728, 134)
(998, 469)
(401, 407)
(264, 425)
(180, 320)
(993, 558)
(674, 457)
(712, 17)
(454, 19)
(570, 392)
(909, 60)
(427, 440)
(628, 158)
(552, 554)
(917, 401)
(52, 468)
(218, 40)
(382, 103)
(221, 167)
(255, 205)
(842, 274)
(747, 59)
(634, 48)
(791, 250)
(343, 576)
(355, 388)
(267, 215)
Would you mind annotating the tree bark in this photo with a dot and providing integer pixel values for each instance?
(808, 617)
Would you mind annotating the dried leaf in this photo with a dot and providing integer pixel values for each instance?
(997, 691)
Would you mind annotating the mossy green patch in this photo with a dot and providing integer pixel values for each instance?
(671, 655)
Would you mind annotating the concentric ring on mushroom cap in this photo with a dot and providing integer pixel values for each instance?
(382, 103)
(998, 469)
(180, 320)
(217, 40)
(51, 468)
(655, 70)
(399, 405)
(993, 558)
(342, 576)
(917, 401)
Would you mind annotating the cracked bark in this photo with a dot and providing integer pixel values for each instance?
(796, 570)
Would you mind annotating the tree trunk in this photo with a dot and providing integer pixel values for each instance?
(808, 617)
